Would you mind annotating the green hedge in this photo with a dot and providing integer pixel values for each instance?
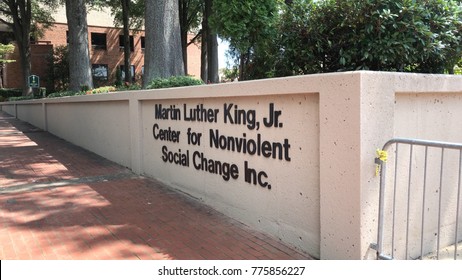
(87, 92)
(63, 93)
(178, 81)
(105, 89)
(27, 97)
(10, 92)
(13, 94)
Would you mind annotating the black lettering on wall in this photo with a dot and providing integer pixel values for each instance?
(172, 113)
(273, 117)
(255, 178)
(248, 143)
(234, 115)
(250, 146)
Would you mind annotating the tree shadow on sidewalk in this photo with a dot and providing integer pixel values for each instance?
(128, 217)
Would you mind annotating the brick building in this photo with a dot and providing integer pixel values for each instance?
(106, 51)
(11, 73)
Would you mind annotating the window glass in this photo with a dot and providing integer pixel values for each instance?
(100, 72)
(121, 42)
(98, 41)
(143, 44)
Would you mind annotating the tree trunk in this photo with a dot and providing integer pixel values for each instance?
(127, 50)
(163, 56)
(183, 12)
(212, 47)
(21, 29)
(204, 71)
(241, 67)
(212, 59)
(24, 52)
(79, 56)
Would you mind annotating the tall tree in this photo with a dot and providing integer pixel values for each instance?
(20, 16)
(246, 25)
(190, 14)
(4, 50)
(126, 27)
(79, 56)
(21, 13)
(203, 34)
(130, 15)
(163, 55)
(211, 45)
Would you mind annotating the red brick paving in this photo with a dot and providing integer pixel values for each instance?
(58, 201)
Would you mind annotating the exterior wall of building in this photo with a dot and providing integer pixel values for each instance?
(39, 59)
(111, 57)
(293, 157)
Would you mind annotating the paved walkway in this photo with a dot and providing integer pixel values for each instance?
(58, 201)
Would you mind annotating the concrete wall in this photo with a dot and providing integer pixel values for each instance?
(39, 66)
(100, 127)
(320, 194)
(432, 115)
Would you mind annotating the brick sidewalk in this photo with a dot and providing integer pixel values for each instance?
(58, 201)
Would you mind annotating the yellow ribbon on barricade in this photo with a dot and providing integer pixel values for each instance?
(382, 156)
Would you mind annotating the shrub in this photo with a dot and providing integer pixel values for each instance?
(176, 81)
(58, 67)
(392, 35)
(63, 93)
(101, 90)
(129, 87)
(10, 92)
(84, 88)
(73, 93)
(27, 97)
(118, 82)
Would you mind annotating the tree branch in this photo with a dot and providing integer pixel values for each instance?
(195, 38)
(5, 12)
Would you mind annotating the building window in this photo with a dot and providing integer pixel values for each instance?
(121, 42)
(143, 46)
(100, 72)
(98, 41)
(132, 72)
(6, 37)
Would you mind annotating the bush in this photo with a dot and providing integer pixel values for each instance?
(16, 95)
(393, 35)
(118, 82)
(73, 93)
(129, 87)
(27, 97)
(176, 81)
(63, 93)
(101, 90)
(10, 92)
(58, 68)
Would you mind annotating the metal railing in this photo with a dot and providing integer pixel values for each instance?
(420, 201)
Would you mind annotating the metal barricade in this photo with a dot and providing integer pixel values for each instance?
(420, 200)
